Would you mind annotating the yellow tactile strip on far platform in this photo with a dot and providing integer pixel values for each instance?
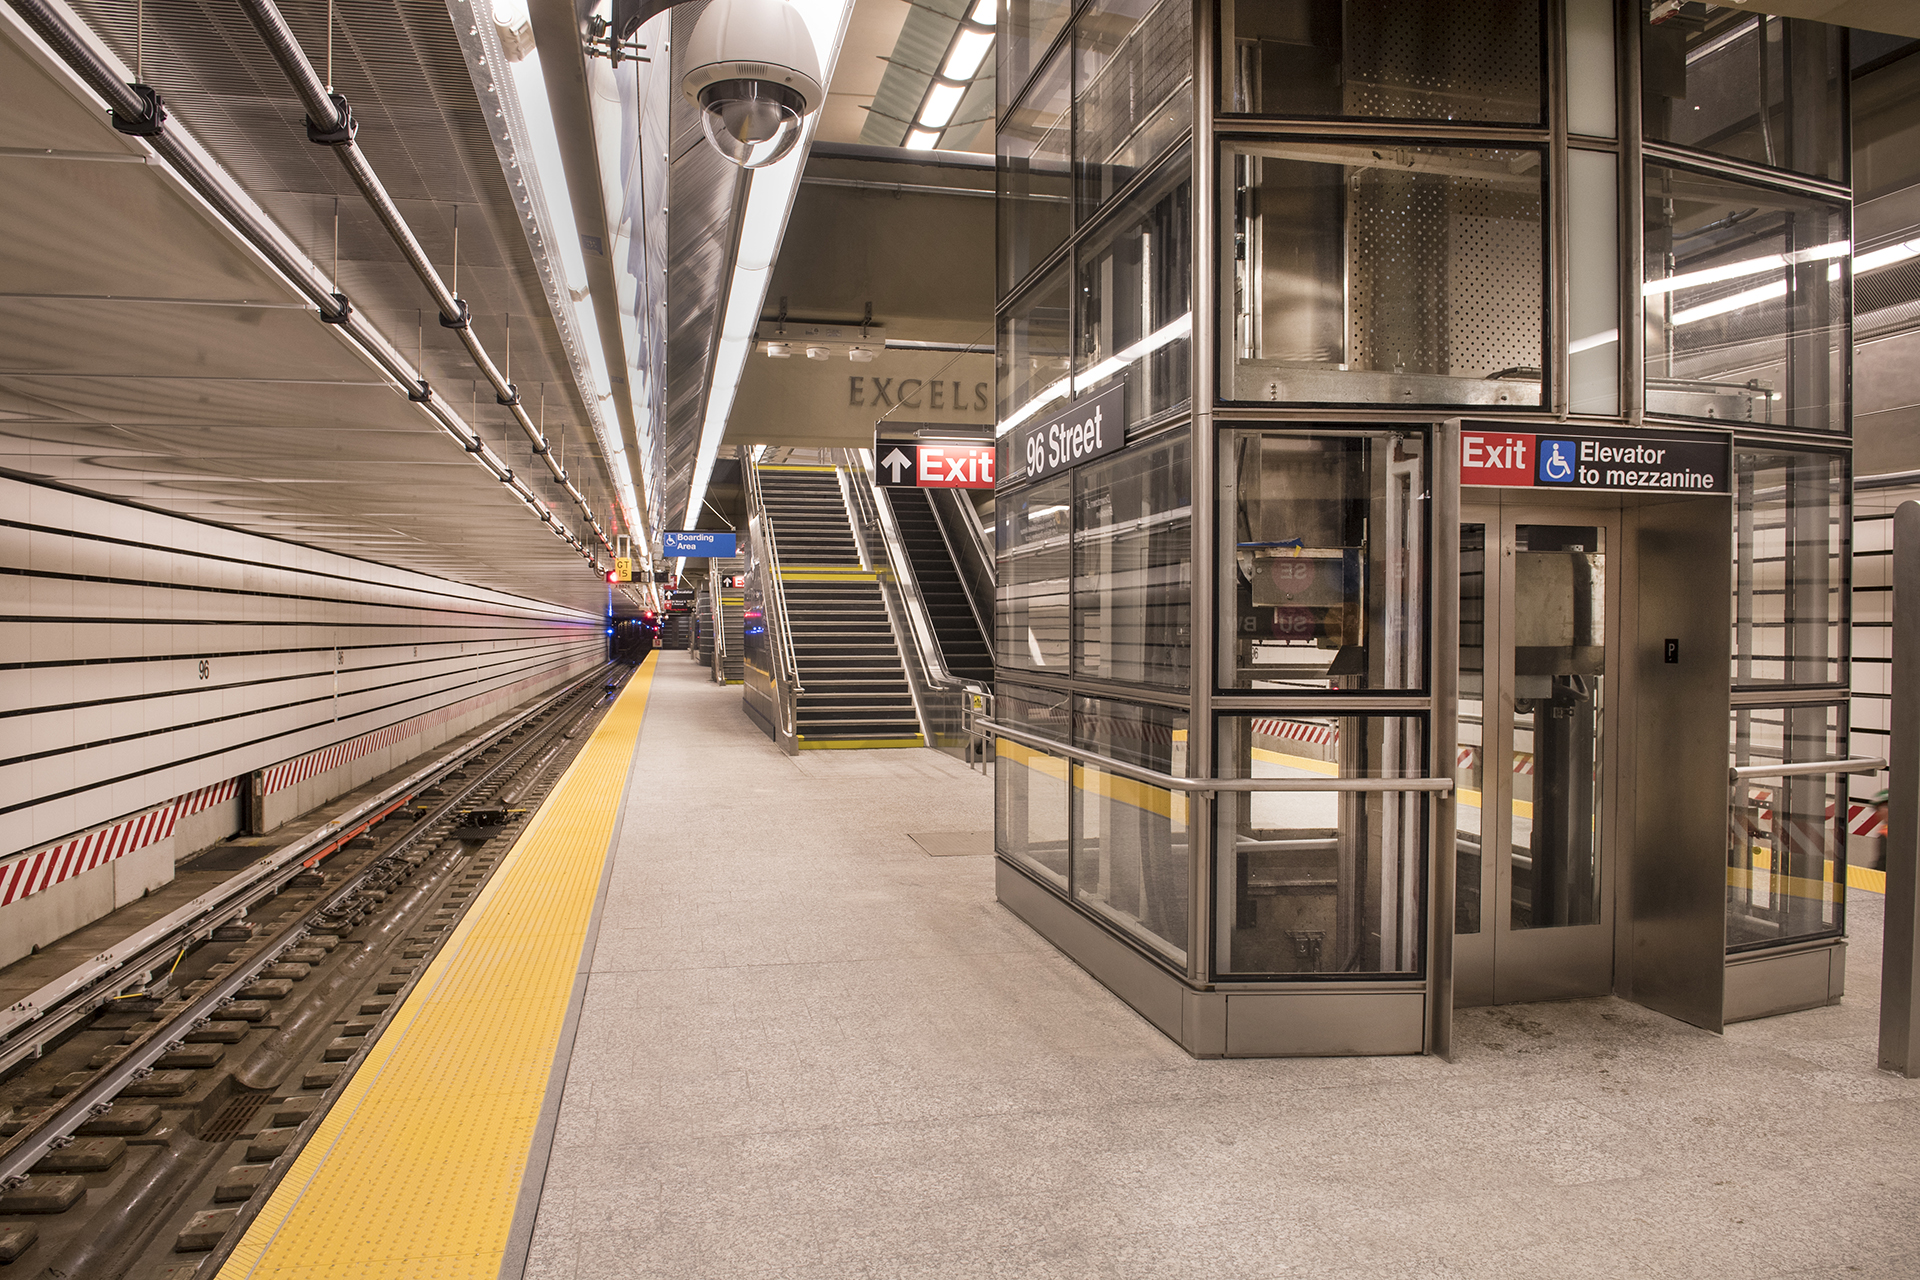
(416, 1171)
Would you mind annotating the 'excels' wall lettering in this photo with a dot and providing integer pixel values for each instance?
(915, 393)
(1086, 429)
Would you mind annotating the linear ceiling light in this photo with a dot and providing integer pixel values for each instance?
(966, 54)
(530, 87)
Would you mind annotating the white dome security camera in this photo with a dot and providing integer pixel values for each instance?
(754, 73)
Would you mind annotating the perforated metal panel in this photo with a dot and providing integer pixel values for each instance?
(1462, 60)
(1445, 273)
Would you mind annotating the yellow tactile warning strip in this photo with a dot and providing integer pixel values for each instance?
(416, 1171)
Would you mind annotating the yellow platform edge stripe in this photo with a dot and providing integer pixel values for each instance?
(417, 1169)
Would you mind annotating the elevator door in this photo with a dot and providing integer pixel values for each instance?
(1534, 904)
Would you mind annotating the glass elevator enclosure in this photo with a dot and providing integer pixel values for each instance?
(1423, 509)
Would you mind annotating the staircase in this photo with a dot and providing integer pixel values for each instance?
(955, 625)
(854, 689)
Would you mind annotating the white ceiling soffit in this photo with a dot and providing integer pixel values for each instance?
(1895, 17)
(151, 355)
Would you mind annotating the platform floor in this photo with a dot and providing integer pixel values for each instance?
(810, 1049)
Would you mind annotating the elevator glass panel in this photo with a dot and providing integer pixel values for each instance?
(1030, 785)
(1381, 273)
(1763, 89)
(1744, 302)
(1320, 882)
(1786, 858)
(1130, 848)
(1559, 674)
(1466, 60)
(1132, 91)
(1323, 560)
(1034, 562)
(1035, 177)
(1792, 548)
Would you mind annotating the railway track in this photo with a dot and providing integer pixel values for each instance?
(175, 1081)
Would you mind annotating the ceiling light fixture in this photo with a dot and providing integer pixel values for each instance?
(966, 54)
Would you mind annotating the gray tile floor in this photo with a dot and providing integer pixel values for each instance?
(811, 1050)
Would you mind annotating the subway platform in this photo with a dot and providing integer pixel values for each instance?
(806, 1047)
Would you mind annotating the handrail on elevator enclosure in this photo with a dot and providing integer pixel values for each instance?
(138, 110)
(786, 667)
(1172, 782)
(331, 124)
(1801, 768)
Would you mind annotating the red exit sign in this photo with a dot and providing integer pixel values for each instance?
(935, 464)
(1497, 458)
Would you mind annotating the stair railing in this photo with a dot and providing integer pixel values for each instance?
(786, 667)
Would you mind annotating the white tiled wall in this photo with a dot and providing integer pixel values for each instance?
(143, 656)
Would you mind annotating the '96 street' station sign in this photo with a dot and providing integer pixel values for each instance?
(1087, 428)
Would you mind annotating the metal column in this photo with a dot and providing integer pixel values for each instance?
(1900, 961)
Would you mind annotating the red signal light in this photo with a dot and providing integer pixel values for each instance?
(613, 576)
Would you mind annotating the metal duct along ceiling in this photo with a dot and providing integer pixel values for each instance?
(401, 67)
(704, 194)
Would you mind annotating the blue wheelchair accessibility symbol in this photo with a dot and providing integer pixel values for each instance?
(1556, 462)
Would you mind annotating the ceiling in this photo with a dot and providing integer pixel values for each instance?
(150, 355)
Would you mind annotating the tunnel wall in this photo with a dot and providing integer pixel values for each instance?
(150, 665)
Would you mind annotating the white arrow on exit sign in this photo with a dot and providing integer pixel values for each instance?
(896, 462)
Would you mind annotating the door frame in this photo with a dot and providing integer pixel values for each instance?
(1501, 965)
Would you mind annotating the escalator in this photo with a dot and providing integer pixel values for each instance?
(854, 690)
(956, 625)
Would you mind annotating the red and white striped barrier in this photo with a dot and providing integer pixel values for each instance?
(327, 759)
(1320, 735)
(1522, 760)
(32, 872)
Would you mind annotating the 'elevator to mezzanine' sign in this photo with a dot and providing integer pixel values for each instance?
(1629, 461)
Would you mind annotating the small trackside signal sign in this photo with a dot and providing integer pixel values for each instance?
(934, 464)
(1584, 458)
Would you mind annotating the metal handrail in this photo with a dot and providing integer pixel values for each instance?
(1170, 782)
(1845, 764)
(786, 666)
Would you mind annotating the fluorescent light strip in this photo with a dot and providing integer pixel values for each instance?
(1886, 257)
(1746, 267)
(1171, 332)
(1721, 306)
(969, 50)
(769, 200)
(942, 99)
(922, 139)
(530, 87)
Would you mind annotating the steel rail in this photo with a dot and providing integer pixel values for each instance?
(331, 124)
(223, 904)
(1173, 782)
(146, 118)
(1802, 768)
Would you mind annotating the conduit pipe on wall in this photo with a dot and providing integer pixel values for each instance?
(330, 123)
(137, 111)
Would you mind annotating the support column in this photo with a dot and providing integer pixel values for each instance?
(1900, 961)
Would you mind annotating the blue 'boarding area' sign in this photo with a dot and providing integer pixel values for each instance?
(697, 543)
